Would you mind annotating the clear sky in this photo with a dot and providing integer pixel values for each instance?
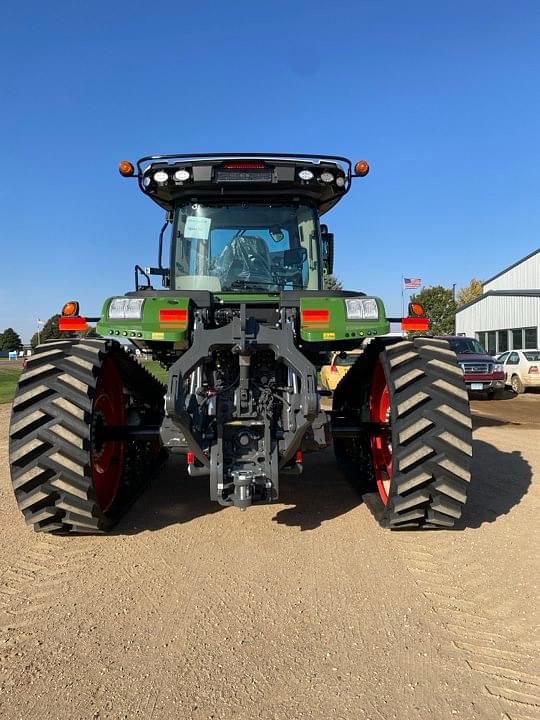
(442, 98)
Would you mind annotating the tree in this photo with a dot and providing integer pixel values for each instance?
(467, 294)
(440, 309)
(50, 331)
(332, 283)
(10, 340)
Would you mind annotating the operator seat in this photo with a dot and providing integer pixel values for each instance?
(246, 257)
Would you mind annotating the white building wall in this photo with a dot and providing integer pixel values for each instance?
(499, 312)
(525, 276)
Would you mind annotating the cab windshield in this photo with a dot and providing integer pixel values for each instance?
(246, 247)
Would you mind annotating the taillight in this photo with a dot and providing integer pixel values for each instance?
(66, 324)
(315, 316)
(173, 316)
(333, 369)
(415, 323)
(533, 369)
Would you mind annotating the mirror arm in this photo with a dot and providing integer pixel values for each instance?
(160, 270)
(328, 241)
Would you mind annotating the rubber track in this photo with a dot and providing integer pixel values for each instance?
(431, 430)
(50, 434)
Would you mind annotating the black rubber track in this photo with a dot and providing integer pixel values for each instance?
(50, 435)
(431, 431)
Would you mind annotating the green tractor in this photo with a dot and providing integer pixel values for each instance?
(242, 322)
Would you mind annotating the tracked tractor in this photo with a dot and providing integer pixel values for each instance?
(242, 322)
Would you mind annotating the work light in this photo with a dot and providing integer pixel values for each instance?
(126, 308)
(161, 177)
(362, 309)
(181, 175)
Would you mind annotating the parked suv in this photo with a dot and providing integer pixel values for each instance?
(482, 372)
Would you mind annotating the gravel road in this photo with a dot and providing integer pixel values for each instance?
(302, 609)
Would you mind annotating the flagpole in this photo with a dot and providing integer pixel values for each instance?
(402, 296)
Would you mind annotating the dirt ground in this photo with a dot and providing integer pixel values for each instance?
(303, 609)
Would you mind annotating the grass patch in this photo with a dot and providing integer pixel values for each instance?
(155, 368)
(9, 377)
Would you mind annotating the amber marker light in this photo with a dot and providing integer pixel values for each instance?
(125, 168)
(70, 309)
(361, 168)
(417, 309)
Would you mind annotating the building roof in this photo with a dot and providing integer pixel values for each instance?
(504, 293)
(534, 252)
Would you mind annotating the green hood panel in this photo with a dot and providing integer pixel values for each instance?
(324, 319)
(158, 321)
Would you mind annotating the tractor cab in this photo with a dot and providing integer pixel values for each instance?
(246, 223)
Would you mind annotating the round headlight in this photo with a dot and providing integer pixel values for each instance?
(340, 181)
(327, 177)
(305, 175)
(146, 182)
(161, 176)
(181, 175)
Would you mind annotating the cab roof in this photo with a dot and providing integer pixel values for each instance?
(170, 180)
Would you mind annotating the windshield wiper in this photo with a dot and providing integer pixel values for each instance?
(253, 284)
(259, 284)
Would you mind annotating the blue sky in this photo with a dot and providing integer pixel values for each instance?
(441, 98)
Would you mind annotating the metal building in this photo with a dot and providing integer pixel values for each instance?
(507, 315)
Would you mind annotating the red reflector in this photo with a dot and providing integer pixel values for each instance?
(299, 457)
(533, 369)
(415, 323)
(65, 324)
(191, 458)
(244, 166)
(173, 316)
(316, 316)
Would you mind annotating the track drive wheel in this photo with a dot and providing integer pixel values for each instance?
(65, 477)
(415, 459)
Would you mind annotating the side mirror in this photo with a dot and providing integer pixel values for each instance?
(327, 249)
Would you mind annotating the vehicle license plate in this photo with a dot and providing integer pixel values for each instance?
(477, 386)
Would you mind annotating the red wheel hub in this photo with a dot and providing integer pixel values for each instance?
(108, 458)
(381, 442)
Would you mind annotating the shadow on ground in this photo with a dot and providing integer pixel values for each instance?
(499, 482)
(325, 491)
(488, 421)
(484, 397)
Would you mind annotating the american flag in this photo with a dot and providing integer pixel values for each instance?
(411, 283)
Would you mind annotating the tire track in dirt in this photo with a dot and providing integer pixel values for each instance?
(32, 585)
(481, 631)
(486, 607)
